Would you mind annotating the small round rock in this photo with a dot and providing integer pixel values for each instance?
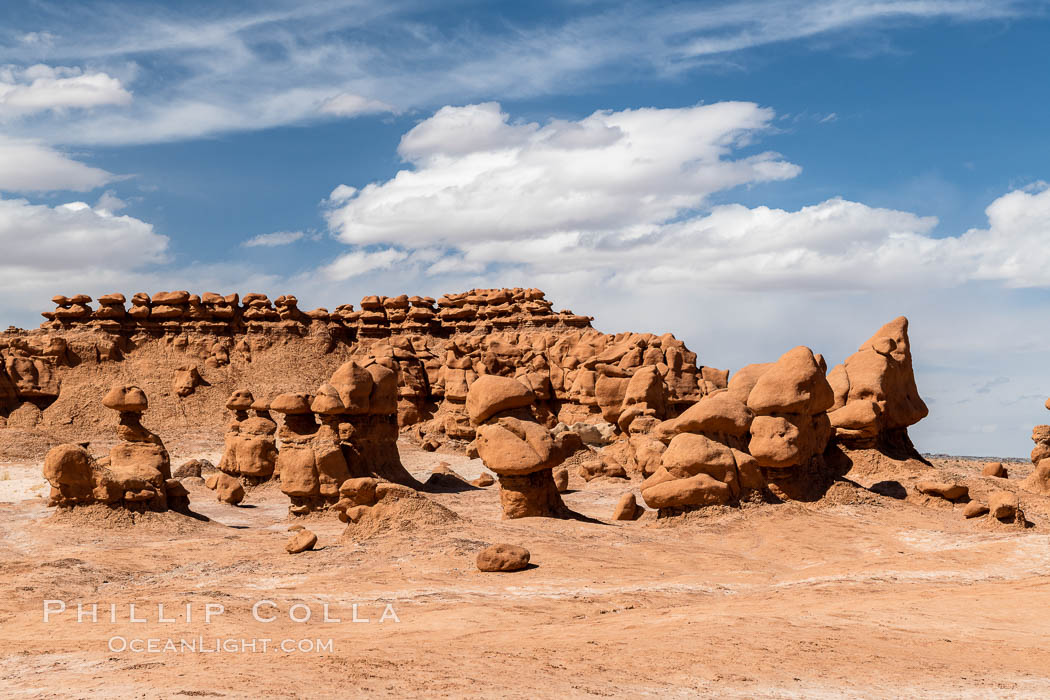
(503, 557)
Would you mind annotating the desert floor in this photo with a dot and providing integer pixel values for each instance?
(855, 595)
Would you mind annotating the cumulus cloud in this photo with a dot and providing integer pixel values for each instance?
(28, 166)
(625, 197)
(361, 262)
(271, 240)
(478, 177)
(1013, 249)
(40, 88)
(74, 235)
(71, 244)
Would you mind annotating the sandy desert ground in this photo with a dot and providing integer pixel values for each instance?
(855, 595)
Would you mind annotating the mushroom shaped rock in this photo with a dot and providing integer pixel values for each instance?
(293, 404)
(491, 394)
(126, 398)
(240, 400)
(514, 447)
(721, 412)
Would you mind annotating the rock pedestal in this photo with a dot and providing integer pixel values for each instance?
(136, 474)
(251, 448)
(514, 445)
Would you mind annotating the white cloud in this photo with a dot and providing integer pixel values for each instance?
(70, 244)
(293, 62)
(479, 178)
(1015, 248)
(349, 105)
(110, 202)
(40, 88)
(360, 263)
(27, 166)
(624, 197)
(271, 240)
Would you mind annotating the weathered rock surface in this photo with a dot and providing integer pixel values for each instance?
(503, 557)
(876, 398)
(301, 541)
(136, 474)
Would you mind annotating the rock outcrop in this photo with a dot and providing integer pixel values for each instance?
(347, 429)
(516, 446)
(135, 475)
(251, 446)
(876, 399)
(769, 424)
(1039, 480)
(436, 349)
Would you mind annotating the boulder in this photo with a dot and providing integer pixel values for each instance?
(941, 489)
(995, 469)
(717, 413)
(626, 508)
(503, 557)
(974, 509)
(126, 398)
(561, 479)
(227, 489)
(514, 447)
(699, 490)
(794, 384)
(1003, 505)
(300, 542)
(484, 479)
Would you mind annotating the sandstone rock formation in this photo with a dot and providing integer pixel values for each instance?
(310, 460)
(995, 469)
(769, 423)
(875, 397)
(503, 557)
(436, 349)
(514, 445)
(136, 474)
(301, 541)
(346, 429)
(1041, 438)
(251, 448)
(411, 362)
(1039, 480)
(227, 489)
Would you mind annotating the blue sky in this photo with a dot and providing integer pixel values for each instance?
(748, 175)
